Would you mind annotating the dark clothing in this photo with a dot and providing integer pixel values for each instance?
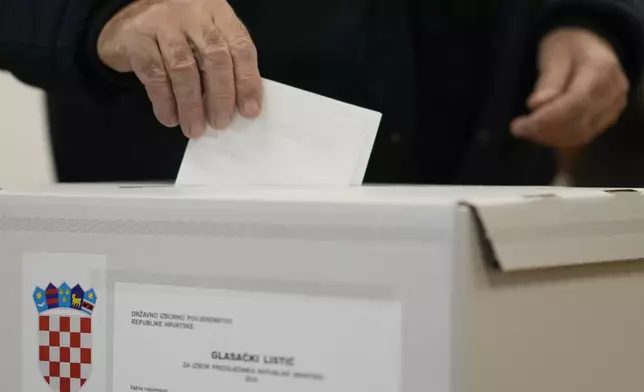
(448, 76)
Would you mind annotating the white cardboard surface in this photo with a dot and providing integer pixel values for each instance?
(384, 249)
(401, 240)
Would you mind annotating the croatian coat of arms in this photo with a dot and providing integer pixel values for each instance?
(65, 335)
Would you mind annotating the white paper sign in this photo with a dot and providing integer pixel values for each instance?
(172, 339)
(64, 335)
(300, 139)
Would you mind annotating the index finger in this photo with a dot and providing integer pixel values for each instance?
(147, 63)
(186, 81)
(248, 81)
(218, 79)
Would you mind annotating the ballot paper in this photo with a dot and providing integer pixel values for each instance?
(299, 139)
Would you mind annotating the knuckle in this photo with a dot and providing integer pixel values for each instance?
(244, 50)
(212, 36)
(190, 107)
(223, 98)
(181, 63)
(248, 80)
(153, 73)
(216, 55)
(179, 56)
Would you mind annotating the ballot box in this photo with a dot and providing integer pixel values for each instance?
(364, 289)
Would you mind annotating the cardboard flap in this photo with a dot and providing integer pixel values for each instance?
(560, 229)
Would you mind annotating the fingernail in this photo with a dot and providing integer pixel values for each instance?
(169, 122)
(251, 108)
(196, 130)
(186, 131)
(222, 121)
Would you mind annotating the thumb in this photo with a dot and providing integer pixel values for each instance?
(556, 70)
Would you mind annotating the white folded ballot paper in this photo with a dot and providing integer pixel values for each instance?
(299, 139)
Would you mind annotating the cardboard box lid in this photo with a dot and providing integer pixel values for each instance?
(561, 228)
(523, 227)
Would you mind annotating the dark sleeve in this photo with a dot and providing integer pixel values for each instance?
(51, 44)
(621, 22)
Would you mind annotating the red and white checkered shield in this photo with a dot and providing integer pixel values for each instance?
(65, 350)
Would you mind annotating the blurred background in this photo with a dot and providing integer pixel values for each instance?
(24, 146)
(614, 160)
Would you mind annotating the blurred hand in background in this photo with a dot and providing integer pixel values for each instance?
(582, 90)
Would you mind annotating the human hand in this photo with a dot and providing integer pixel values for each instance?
(582, 91)
(195, 58)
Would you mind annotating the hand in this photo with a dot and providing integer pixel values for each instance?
(582, 91)
(195, 58)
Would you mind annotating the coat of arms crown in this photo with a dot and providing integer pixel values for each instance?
(64, 298)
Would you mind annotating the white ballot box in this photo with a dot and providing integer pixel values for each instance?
(365, 289)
